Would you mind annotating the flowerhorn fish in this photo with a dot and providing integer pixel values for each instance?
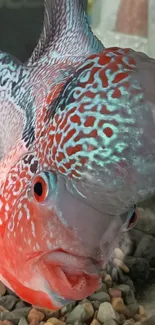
(77, 143)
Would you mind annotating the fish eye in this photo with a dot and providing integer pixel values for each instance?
(44, 183)
(40, 188)
(132, 220)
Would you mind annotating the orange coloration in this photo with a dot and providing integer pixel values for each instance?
(120, 76)
(103, 59)
(89, 121)
(75, 119)
(108, 132)
(55, 91)
(116, 93)
(73, 150)
(104, 79)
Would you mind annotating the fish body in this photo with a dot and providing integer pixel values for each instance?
(76, 148)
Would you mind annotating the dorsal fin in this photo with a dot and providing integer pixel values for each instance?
(66, 31)
(13, 77)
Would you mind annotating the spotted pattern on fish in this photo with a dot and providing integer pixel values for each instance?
(88, 119)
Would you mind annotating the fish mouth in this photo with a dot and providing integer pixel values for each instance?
(71, 277)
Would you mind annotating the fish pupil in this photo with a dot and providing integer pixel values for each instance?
(38, 189)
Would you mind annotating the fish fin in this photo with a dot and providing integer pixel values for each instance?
(66, 31)
(12, 114)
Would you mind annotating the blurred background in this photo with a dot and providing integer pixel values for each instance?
(116, 22)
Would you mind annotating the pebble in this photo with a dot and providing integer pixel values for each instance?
(106, 312)
(139, 268)
(95, 322)
(119, 253)
(131, 310)
(149, 321)
(102, 287)
(3, 309)
(118, 305)
(110, 322)
(23, 321)
(20, 304)
(2, 289)
(15, 315)
(128, 294)
(96, 304)
(146, 249)
(8, 301)
(49, 313)
(55, 321)
(129, 322)
(35, 314)
(108, 280)
(122, 319)
(34, 322)
(121, 265)
(141, 311)
(82, 312)
(6, 322)
(114, 293)
(100, 296)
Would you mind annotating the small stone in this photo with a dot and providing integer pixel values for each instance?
(71, 306)
(34, 322)
(95, 322)
(129, 282)
(20, 304)
(128, 294)
(119, 253)
(106, 312)
(100, 296)
(121, 265)
(96, 304)
(48, 312)
(118, 304)
(77, 322)
(117, 317)
(129, 322)
(115, 293)
(23, 321)
(149, 321)
(141, 311)
(15, 315)
(122, 319)
(55, 321)
(82, 312)
(131, 310)
(108, 281)
(146, 249)
(35, 314)
(137, 317)
(3, 309)
(7, 322)
(102, 287)
(110, 322)
(2, 289)
(63, 311)
(8, 301)
(139, 268)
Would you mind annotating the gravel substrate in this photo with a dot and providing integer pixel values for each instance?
(111, 304)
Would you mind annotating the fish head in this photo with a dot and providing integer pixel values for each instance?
(68, 214)
(57, 268)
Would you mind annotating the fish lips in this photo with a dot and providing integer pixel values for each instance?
(71, 277)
